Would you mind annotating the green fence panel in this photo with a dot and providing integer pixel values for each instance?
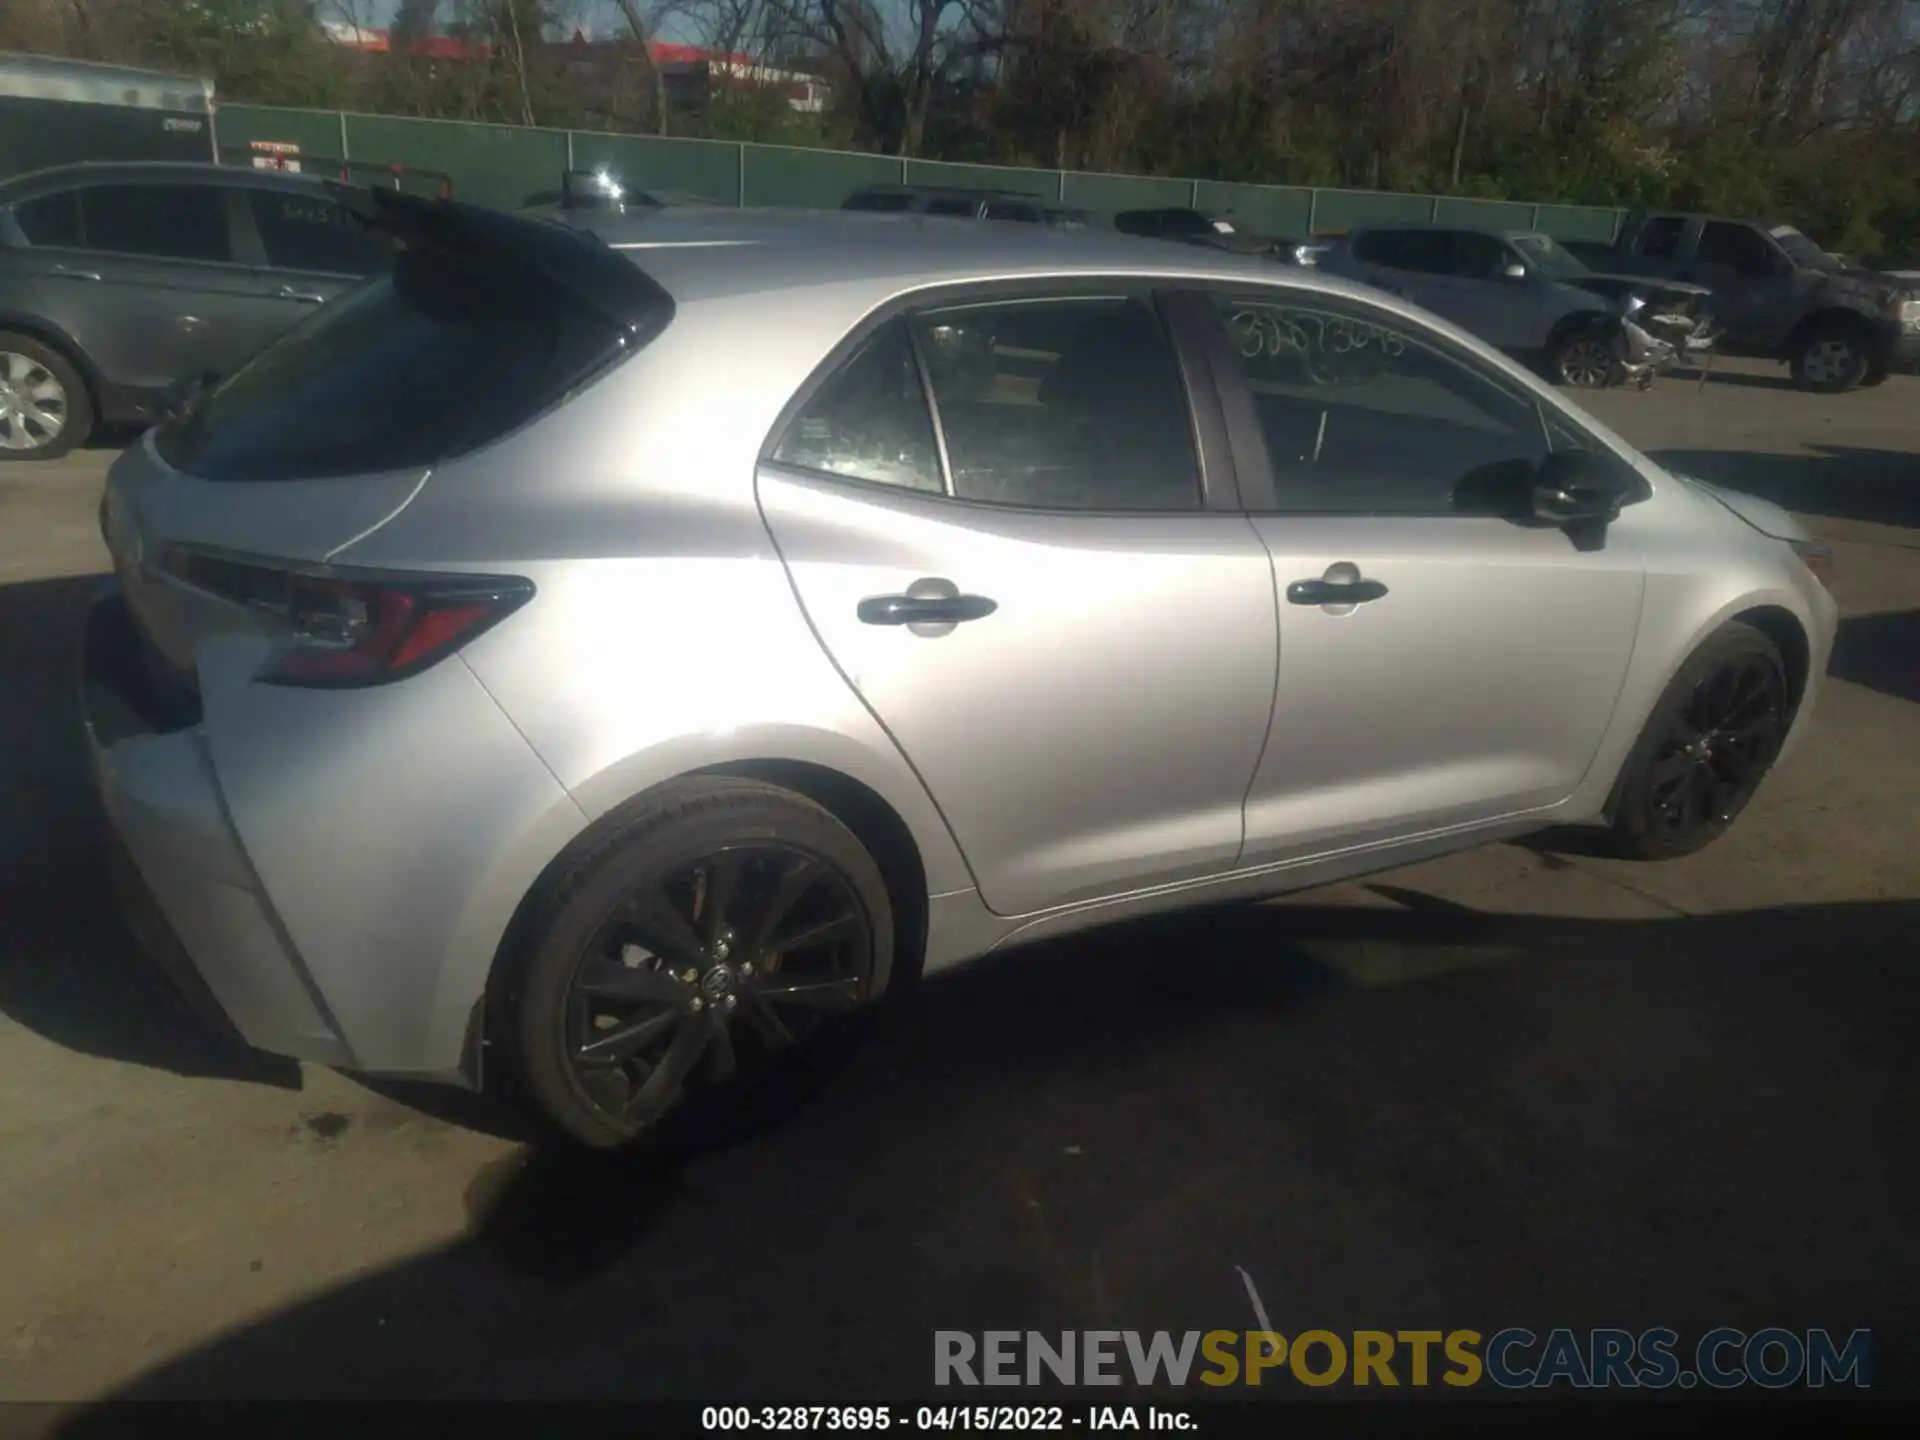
(1042, 183)
(817, 179)
(499, 165)
(1110, 194)
(316, 132)
(1580, 222)
(1483, 214)
(1343, 209)
(709, 169)
(1277, 210)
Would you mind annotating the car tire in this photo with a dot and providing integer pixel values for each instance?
(1705, 749)
(35, 372)
(1878, 369)
(1829, 358)
(1584, 357)
(614, 1014)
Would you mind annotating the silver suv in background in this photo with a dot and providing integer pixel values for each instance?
(1526, 294)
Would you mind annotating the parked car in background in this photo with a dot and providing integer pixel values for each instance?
(408, 714)
(1215, 232)
(1778, 295)
(58, 112)
(584, 193)
(959, 203)
(117, 281)
(1524, 293)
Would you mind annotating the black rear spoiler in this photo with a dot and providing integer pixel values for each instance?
(577, 263)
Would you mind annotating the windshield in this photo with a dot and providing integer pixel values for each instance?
(1802, 251)
(1545, 254)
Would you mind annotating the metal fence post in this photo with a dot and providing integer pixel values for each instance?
(343, 136)
(570, 149)
(903, 169)
(1433, 210)
(1194, 204)
(1313, 209)
(1534, 223)
(1060, 186)
(741, 190)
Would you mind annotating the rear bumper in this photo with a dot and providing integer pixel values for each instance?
(185, 884)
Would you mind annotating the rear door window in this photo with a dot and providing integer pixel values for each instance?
(311, 232)
(161, 221)
(430, 361)
(1660, 236)
(50, 220)
(947, 205)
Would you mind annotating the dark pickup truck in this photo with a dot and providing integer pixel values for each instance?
(1777, 295)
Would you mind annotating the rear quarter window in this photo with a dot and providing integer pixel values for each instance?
(310, 232)
(427, 362)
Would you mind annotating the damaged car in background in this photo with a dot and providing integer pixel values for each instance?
(1525, 293)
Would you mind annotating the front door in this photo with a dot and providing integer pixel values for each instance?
(1031, 587)
(1439, 666)
(1752, 283)
(171, 296)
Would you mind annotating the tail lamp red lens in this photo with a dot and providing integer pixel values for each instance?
(349, 628)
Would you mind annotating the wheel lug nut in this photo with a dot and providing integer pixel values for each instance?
(698, 1005)
(747, 968)
(732, 1000)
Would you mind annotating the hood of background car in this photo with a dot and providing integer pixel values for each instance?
(1763, 515)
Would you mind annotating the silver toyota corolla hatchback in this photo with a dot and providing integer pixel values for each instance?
(610, 660)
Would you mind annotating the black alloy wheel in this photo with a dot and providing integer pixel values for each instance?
(703, 948)
(748, 948)
(1707, 747)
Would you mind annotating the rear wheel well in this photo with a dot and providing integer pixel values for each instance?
(872, 820)
(1832, 317)
(1578, 320)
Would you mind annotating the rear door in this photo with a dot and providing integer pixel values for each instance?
(1037, 583)
(307, 249)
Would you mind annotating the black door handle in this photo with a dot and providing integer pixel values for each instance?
(924, 609)
(1334, 592)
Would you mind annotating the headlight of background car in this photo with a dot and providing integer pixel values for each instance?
(1907, 307)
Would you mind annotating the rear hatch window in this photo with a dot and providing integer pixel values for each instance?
(432, 360)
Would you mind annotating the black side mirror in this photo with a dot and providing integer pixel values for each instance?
(182, 394)
(1574, 487)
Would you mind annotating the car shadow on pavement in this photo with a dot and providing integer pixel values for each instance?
(1839, 481)
(1747, 379)
(69, 969)
(1881, 652)
(1377, 1112)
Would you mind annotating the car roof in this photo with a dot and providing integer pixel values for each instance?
(56, 77)
(702, 254)
(108, 172)
(963, 191)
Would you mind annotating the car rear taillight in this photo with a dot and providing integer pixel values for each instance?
(354, 628)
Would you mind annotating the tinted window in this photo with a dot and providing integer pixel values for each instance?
(419, 365)
(1737, 247)
(1479, 257)
(172, 222)
(1137, 222)
(1013, 210)
(1185, 224)
(883, 200)
(950, 205)
(1364, 417)
(309, 232)
(1426, 252)
(1660, 236)
(870, 420)
(1378, 247)
(1062, 404)
(51, 220)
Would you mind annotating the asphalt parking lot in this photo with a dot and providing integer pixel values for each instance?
(1519, 1086)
